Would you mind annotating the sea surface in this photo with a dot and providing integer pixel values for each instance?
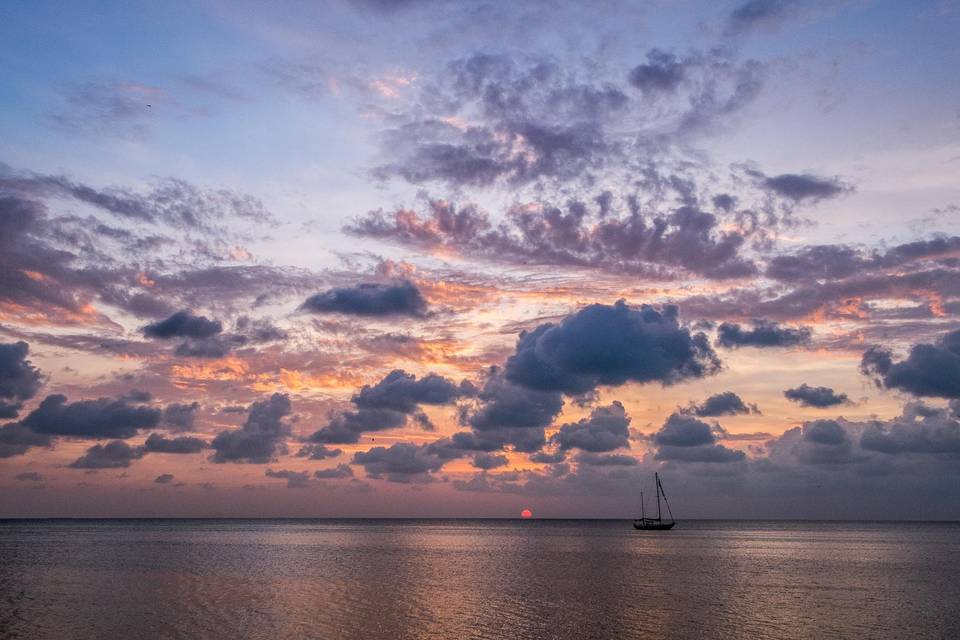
(230, 579)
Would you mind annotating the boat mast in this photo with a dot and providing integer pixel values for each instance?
(642, 516)
(657, 478)
(660, 487)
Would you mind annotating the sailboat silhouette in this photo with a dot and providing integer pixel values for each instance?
(658, 523)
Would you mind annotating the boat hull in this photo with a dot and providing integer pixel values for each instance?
(653, 526)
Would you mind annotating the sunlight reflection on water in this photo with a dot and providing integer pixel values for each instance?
(476, 579)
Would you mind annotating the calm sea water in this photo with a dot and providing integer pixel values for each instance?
(476, 579)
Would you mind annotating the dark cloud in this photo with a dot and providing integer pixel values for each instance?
(605, 460)
(183, 324)
(498, 119)
(722, 404)
(832, 262)
(816, 396)
(804, 187)
(157, 443)
(180, 416)
(295, 479)
(510, 414)
(349, 426)
(847, 298)
(929, 369)
(29, 476)
(401, 391)
(260, 331)
(534, 121)
(101, 418)
(919, 431)
(683, 438)
(214, 347)
(757, 13)
(318, 452)
(401, 462)
(489, 461)
(171, 203)
(19, 379)
(825, 442)
(16, 439)
(684, 431)
(262, 436)
(606, 429)
(370, 299)
(340, 471)
(137, 395)
(764, 333)
(610, 345)
(113, 455)
(662, 72)
(164, 478)
(167, 253)
(548, 458)
(577, 235)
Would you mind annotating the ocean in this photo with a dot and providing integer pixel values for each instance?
(331, 579)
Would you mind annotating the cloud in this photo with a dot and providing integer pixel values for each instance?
(548, 458)
(16, 439)
(509, 414)
(370, 299)
(387, 405)
(662, 72)
(347, 427)
(683, 438)
(606, 429)
(832, 262)
(215, 347)
(157, 443)
(510, 120)
(261, 438)
(401, 462)
(295, 479)
(816, 396)
(19, 379)
(318, 452)
(113, 455)
(765, 333)
(757, 13)
(401, 391)
(623, 237)
(180, 416)
(171, 202)
(101, 418)
(804, 187)
(29, 476)
(340, 471)
(918, 431)
(847, 298)
(722, 404)
(164, 478)
(488, 461)
(610, 345)
(929, 369)
(592, 459)
(183, 324)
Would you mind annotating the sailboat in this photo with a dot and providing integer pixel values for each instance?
(658, 523)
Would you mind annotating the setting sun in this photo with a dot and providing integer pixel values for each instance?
(526, 513)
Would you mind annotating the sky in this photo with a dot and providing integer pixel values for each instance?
(414, 258)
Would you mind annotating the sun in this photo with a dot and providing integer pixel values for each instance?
(526, 513)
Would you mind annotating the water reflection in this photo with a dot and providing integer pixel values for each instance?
(476, 579)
